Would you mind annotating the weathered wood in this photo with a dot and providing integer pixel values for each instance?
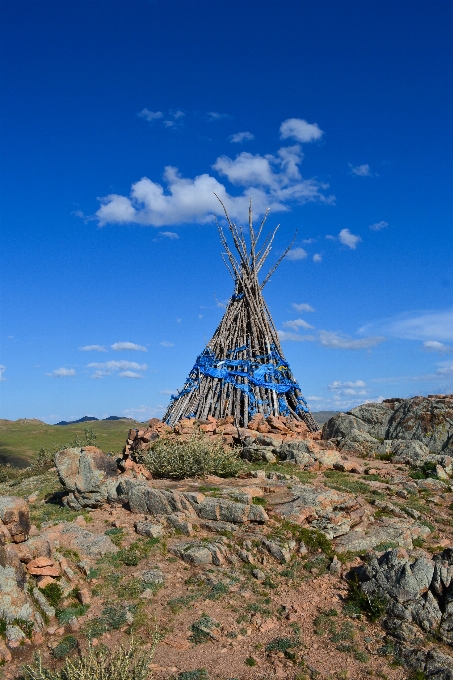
(247, 324)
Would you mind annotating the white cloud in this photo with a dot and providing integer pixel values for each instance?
(214, 115)
(62, 373)
(98, 375)
(296, 324)
(169, 392)
(338, 341)
(295, 337)
(130, 374)
(177, 114)
(272, 181)
(119, 366)
(240, 137)
(2, 370)
(297, 254)
(93, 348)
(166, 344)
(434, 346)
(348, 387)
(169, 234)
(169, 123)
(299, 129)
(349, 239)
(150, 115)
(145, 412)
(417, 325)
(317, 257)
(302, 307)
(309, 240)
(122, 346)
(360, 170)
(377, 226)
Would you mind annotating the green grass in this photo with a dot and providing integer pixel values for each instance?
(20, 440)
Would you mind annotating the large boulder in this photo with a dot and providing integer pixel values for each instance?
(71, 536)
(89, 475)
(418, 593)
(372, 429)
(426, 419)
(15, 517)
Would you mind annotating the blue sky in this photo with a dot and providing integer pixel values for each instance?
(119, 121)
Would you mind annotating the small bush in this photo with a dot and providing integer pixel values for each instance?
(65, 647)
(196, 457)
(374, 606)
(200, 674)
(53, 593)
(98, 664)
(250, 661)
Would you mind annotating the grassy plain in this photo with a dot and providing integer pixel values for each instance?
(20, 440)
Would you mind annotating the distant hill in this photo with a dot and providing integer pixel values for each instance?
(89, 419)
(322, 417)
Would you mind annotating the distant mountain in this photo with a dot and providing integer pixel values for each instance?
(87, 419)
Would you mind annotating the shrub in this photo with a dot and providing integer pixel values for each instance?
(98, 664)
(374, 606)
(196, 457)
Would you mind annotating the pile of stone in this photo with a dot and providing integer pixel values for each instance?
(415, 431)
(29, 561)
(279, 428)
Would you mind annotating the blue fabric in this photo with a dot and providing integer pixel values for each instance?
(269, 371)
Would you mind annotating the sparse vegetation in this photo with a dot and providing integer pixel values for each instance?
(359, 602)
(197, 457)
(97, 664)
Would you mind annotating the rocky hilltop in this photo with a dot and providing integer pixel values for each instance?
(326, 555)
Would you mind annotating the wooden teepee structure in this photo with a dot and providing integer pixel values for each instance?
(242, 371)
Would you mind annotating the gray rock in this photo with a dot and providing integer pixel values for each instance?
(218, 527)
(153, 577)
(14, 635)
(14, 603)
(281, 553)
(197, 553)
(388, 530)
(258, 574)
(335, 566)
(43, 603)
(375, 417)
(426, 419)
(87, 544)
(89, 475)
(180, 524)
(410, 452)
(149, 529)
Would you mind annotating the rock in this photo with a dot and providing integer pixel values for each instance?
(335, 566)
(416, 593)
(149, 529)
(180, 524)
(34, 547)
(387, 530)
(430, 484)
(258, 574)
(5, 654)
(84, 596)
(426, 419)
(301, 452)
(89, 475)
(15, 515)
(413, 453)
(153, 577)
(43, 566)
(219, 527)
(70, 535)
(425, 423)
(43, 603)
(14, 603)
(14, 636)
(44, 581)
(144, 499)
(281, 553)
(229, 511)
(200, 553)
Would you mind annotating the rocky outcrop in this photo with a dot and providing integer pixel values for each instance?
(418, 593)
(14, 519)
(89, 475)
(413, 431)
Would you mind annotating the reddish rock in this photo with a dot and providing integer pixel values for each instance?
(15, 515)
